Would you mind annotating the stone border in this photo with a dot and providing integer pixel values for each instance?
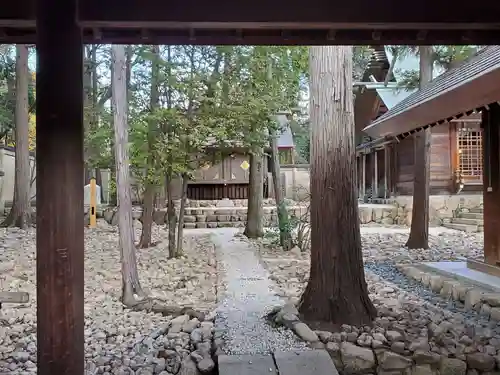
(236, 217)
(359, 355)
(486, 302)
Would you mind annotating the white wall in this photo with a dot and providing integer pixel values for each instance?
(296, 182)
(7, 166)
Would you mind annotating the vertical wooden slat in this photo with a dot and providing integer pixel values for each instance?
(491, 184)
(386, 167)
(59, 163)
(363, 176)
(375, 175)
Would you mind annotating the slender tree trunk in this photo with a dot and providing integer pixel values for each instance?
(419, 231)
(162, 195)
(337, 292)
(20, 213)
(283, 221)
(180, 226)
(150, 189)
(95, 109)
(88, 107)
(171, 217)
(98, 181)
(254, 227)
(147, 216)
(130, 276)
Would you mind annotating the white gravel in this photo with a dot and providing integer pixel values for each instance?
(123, 342)
(111, 332)
(246, 296)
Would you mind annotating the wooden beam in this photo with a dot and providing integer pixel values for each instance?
(262, 12)
(491, 183)
(190, 13)
(22, 32)
(59, 162)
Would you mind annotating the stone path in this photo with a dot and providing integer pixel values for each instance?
(311, 362)
(245, 296)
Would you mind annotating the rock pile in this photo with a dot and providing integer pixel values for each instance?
(417, 331)
(117, 340)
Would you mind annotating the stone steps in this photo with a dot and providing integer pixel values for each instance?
(466, 221)
(471, 215)
(470, 221)
(477, 210)
(463, 227)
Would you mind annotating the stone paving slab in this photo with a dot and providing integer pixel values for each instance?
(247, 365)
(311, 362)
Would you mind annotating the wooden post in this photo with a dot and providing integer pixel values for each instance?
(491, 183)
(386, 168)
(93, 204)
(363, 176)
(294, 177)
(59, 163)
(375, 176)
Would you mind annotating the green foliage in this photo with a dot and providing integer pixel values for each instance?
(7, 90)
(445, 58)
(212, 99)
(301, 136)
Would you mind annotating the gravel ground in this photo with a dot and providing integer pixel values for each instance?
(421, 315)
(246, 296)
(117, 341)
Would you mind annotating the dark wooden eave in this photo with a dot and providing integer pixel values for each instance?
(459, 91)
(268, 22)
(368, 147)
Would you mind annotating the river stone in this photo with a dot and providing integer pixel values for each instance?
(206, 365)
(481, 361)
(304, 332)
(388, 360)
(356, 360)
(452, 366)
(188, 367)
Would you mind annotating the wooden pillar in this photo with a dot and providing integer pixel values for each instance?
(363, 176)
(59, 164)
(386, 170)
(375, 175)
(491, 183)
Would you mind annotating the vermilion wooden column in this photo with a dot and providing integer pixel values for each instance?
(491, 183)
(59, 162)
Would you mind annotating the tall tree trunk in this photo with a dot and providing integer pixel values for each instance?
(87, 106)
(180, 226)
(149, 191)
(254, 227)
(419, 232)
(162, 194)
(95, 109)
(20, 213)
(171, 217)
(283, 221)
(130, 277)
(337, 290)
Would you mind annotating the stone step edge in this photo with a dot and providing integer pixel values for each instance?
(486, 302)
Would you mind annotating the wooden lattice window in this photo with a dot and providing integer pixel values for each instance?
(470, 149)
